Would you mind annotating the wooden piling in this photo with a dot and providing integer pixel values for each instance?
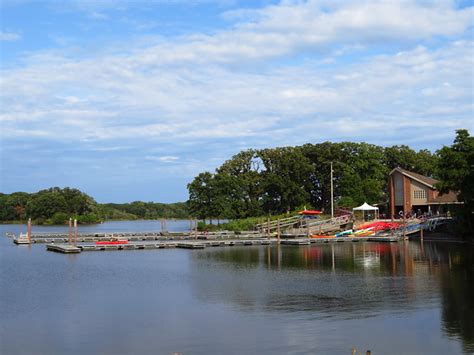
(75, 231)
(195, 228)
(28, 230)
(70, 231)
(278, 231)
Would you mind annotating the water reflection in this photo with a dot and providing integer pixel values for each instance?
(346, 280)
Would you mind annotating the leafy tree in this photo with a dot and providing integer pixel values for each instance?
(46, 203)
(456, 172)
(422, 162)
(285, 179)
(243, 172)
(202, 195)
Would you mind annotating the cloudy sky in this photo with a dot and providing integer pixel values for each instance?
(129, 100)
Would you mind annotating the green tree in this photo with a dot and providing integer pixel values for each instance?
(202, 195)
(285, 179)
(243, 173)
(422, 162)
(456, 173)
(45, 204)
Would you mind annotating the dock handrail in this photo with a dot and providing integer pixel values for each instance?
(322, 226)
(273, 225)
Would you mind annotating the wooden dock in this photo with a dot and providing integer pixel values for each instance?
(200, 244)
(47, 238)
(68, 248)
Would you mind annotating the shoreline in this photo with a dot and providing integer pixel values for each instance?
(90, 224)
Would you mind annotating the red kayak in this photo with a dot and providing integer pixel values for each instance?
(111, 242)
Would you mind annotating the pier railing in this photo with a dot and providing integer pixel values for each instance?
(321, 226)
(272, 226)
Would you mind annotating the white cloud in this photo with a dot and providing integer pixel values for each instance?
(9, 36)
(205, 87)
(163, 159)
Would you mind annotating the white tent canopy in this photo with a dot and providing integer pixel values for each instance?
(367, 208)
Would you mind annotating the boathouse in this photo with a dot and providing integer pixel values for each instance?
(411, 192)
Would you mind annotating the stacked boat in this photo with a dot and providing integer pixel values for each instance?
(366, 230)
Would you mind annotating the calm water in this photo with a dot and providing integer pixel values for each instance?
(404, 298)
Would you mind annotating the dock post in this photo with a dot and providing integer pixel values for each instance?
(422, 227)
(278, 230)
(404, 227)
(70, 231)
(195, 228)
(75, 231)
(28, 230)
(268, 227)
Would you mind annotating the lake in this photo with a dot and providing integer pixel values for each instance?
(390, 298)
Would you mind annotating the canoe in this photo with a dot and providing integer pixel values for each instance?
(323, 236)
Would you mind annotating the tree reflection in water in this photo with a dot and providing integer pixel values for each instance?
(345, 280)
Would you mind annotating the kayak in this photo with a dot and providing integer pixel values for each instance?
(344, 234)
(112, 242)
(323, 236)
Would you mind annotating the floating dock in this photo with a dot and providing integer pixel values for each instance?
(47, 238)
(64, 248)
(200, 244)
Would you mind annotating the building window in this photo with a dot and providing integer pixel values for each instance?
(419, 194)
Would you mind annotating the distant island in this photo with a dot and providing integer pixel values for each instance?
(56, 205)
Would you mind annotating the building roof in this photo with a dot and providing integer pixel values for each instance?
(450, 197)
(430, 182)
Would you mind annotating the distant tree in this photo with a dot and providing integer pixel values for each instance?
(243, 173)
(44, 204)
(285, 179)
(422, 162)
(202, 195)
(13, 206)
(456, 172)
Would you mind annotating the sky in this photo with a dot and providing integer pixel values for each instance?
(130, 100)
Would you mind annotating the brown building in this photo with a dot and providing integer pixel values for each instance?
(412, 192)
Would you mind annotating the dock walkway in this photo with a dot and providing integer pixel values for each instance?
(202, 244)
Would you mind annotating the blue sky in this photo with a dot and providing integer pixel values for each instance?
(129, 100)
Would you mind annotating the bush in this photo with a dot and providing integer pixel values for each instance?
(59, 218)
(202, 226)
(89, 218)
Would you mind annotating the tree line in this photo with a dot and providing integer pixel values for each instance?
(56, 205)
(259, 182)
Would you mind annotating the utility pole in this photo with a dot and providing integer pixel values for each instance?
(332, 195)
